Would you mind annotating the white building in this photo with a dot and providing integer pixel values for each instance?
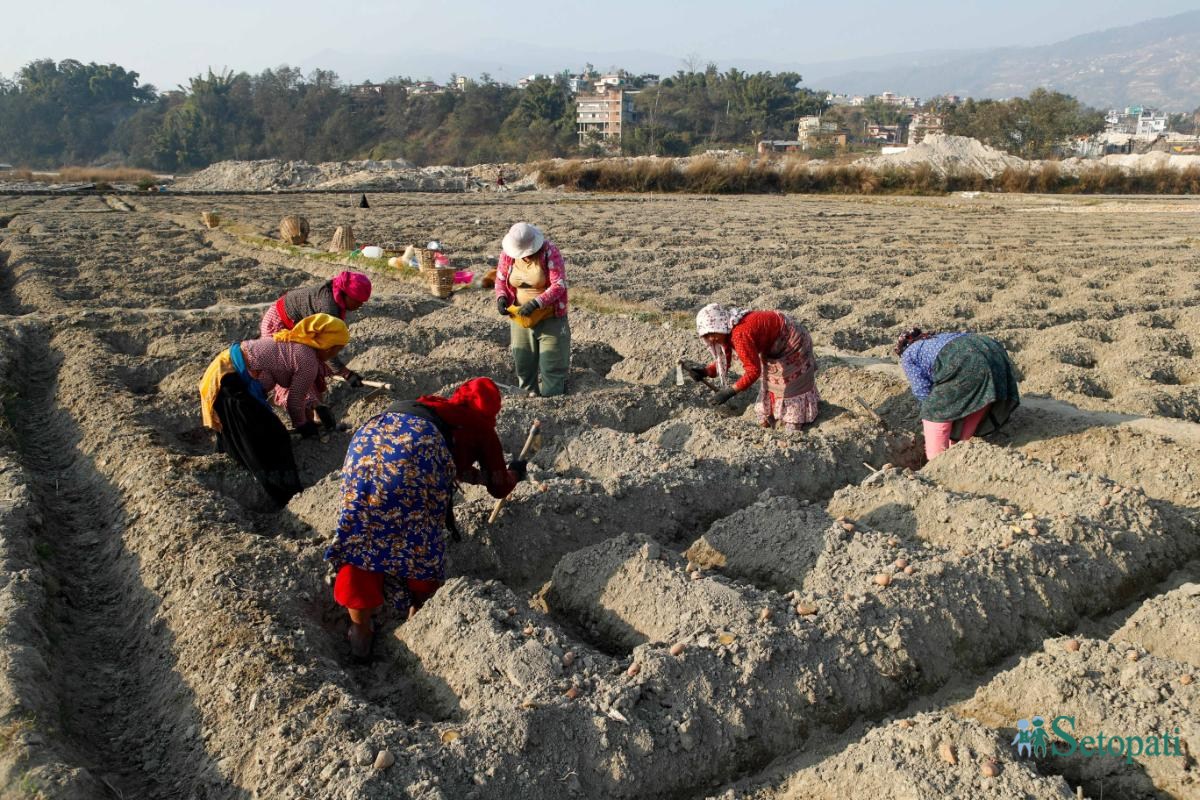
(901, 101)
(1151, 122)
(1136, 120)
(611, 80)
(523, 83)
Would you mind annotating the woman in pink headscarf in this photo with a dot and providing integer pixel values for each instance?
(345, 292)
(770, 345)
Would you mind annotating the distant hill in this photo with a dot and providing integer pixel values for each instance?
(1154, 63)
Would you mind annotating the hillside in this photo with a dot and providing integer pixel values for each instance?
(1154, 63)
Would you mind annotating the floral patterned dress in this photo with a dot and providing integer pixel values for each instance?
(396, 485)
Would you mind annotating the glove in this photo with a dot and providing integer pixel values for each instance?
(502, 306)
(722, 397)
(698, 372)
(528, 309)
(353, 378)
(519, 467)
(326, 415)
(309, 430)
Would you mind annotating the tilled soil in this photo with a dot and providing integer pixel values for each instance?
(676, 603)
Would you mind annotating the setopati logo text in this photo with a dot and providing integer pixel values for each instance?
(1033, 740)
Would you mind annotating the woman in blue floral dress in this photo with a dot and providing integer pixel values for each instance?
(397, 482)
(965, 383)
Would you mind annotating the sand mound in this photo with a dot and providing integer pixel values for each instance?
(272, 175)
(950, 154)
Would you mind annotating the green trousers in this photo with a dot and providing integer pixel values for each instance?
(542, 355)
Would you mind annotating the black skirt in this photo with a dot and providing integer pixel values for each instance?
(256, 439)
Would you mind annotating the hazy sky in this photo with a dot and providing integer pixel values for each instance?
(166, 41)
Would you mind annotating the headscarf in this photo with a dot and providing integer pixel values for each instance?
(318, 331)
(353, 285)
(908, 337)
(474, 404)
(716, 318)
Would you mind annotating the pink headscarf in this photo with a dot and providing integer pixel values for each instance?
(353, 285)
(716, 318)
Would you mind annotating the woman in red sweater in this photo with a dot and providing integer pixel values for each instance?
(771, 346)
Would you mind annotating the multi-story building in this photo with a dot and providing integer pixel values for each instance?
(812, 133)
(1136, 120)
(893, 99)
(611, 80)
(603, 116)
(886, 134)
(922, 125)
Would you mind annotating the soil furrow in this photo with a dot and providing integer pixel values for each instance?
(110, 661)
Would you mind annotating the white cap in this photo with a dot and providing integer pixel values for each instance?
(522, 240)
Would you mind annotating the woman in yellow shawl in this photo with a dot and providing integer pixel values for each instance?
(234, 390)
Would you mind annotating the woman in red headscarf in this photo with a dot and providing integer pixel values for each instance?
(345, 292)
(397, 483)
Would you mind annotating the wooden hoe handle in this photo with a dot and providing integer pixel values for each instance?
(533, 432)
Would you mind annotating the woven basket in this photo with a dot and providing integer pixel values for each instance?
(343, 240)
(294, 230)
(210, 219)
(441, 282)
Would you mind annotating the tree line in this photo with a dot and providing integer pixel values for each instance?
(67, 112)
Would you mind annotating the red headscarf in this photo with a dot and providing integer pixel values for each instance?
(353, 285)
(475, 404)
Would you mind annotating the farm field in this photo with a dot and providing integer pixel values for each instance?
(677, 603)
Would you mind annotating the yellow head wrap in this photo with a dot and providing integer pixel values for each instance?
(319, 332)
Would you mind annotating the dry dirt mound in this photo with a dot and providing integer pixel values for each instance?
(931, 755)
(949, 155)
(1109, 689)
(396, 175)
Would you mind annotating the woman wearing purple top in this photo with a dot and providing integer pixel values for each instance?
(965, 382)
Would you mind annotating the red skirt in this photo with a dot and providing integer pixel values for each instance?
(361, 589)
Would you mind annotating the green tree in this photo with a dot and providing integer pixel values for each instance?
(66, 112)
(1032, 127)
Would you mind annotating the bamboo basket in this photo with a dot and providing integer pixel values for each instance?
(343, 240)
(441, 281)
(294, 230)
(211, 219)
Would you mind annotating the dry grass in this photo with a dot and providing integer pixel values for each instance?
(604, 303)
(82, 175)
(794, 175)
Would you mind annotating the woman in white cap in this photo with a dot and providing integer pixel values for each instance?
(531, 291)
(770, 345)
